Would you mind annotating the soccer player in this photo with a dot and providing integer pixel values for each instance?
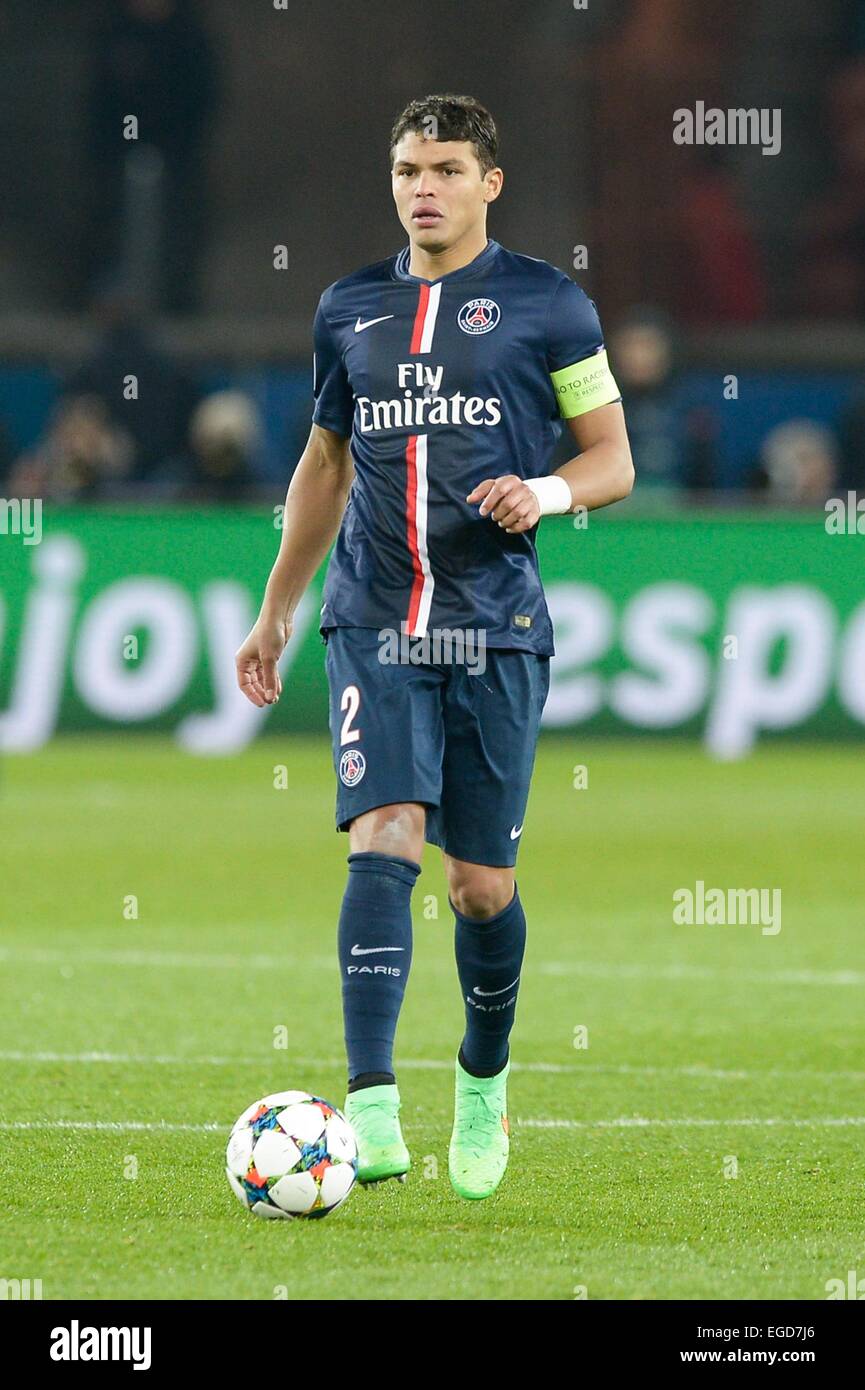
(442, 377)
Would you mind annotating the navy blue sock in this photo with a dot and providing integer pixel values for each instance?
(375, 940)
(489, 959)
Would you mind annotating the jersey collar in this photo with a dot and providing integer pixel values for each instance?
(465, 272)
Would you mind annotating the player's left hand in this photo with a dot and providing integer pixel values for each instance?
(507, 501)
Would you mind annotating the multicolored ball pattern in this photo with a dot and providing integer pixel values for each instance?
(291, 1154)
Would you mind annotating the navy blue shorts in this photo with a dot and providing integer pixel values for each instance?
(461, 743)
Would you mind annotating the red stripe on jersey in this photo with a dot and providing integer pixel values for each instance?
(411, 527)
(417, 331)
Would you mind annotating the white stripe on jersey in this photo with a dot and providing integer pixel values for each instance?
(430, 317)
(425, 604)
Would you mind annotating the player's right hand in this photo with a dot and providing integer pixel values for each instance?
(256, 660)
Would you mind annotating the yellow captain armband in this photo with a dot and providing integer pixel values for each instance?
(584, 386)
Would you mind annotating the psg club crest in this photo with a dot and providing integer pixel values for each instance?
(479, 316)
(352, 766)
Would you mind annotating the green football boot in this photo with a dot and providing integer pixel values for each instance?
(478, 1154)
(373, 1114)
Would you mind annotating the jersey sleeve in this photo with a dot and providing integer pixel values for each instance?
(576, 357)
(331, 390)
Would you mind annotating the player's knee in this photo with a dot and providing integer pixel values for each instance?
(479, 891)
(395, 829)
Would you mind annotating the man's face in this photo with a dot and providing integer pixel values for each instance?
(439, 190)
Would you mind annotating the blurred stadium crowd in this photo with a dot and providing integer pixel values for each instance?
(700, 258)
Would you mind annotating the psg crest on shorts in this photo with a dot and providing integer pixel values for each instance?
(352, 766)
(479, 316)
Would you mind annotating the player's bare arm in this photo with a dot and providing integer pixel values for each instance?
(600, 474)
(314, 506)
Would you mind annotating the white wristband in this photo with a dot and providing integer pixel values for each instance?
(553, 494)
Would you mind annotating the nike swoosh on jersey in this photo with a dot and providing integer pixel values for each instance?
(359, 327)
(373, 950)
(488, 993)
(516, 832)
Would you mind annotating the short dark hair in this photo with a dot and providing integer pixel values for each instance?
(451, 118)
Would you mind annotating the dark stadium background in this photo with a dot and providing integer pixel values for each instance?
(269, 134)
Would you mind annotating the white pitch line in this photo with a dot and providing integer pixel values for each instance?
(176, 960)
(261, 961)
(240, 1060)
(674, 973)
(425, 1064)
(622, 1122)
(111, 1126)
(641, 1122)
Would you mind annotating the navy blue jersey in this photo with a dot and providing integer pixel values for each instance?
(441, 384)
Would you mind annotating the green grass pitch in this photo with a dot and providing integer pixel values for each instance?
(707, 1143)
